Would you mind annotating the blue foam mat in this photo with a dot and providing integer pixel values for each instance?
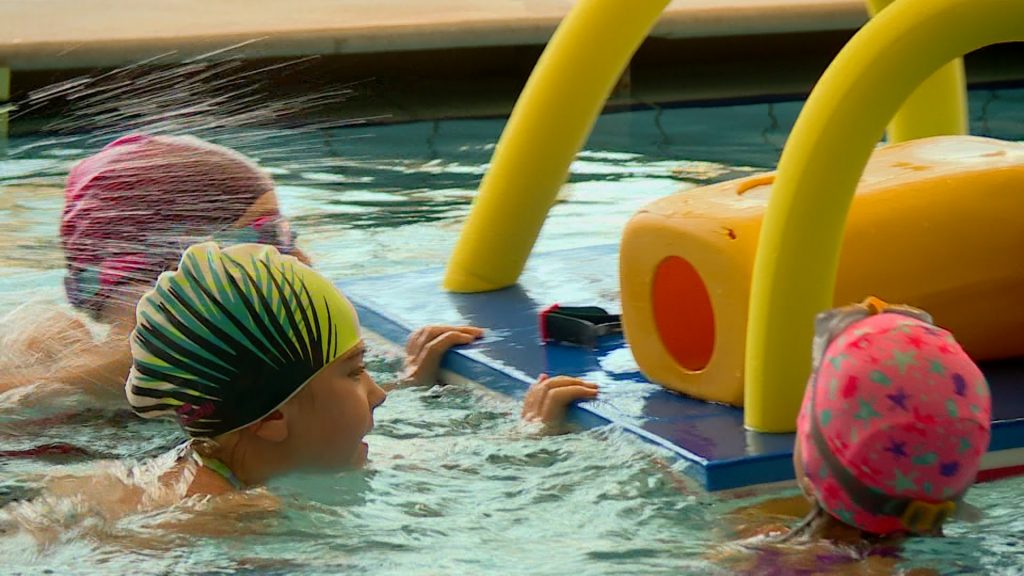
(710, 436)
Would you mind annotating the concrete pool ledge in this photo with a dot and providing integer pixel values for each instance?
(65, 34)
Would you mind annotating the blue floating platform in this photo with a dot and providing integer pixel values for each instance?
(711, 437)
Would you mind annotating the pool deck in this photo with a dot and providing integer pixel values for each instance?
(710, 437)
(64, 34)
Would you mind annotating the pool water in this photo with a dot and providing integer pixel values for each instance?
(455, 484)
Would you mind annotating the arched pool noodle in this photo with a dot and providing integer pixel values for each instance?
(549, 124)
(938, 107)
(557, 110)
(843, 119)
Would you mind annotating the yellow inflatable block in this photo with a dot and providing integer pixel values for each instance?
(935, 223)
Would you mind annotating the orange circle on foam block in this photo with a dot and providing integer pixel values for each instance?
(683, 314)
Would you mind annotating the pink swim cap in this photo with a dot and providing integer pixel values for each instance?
(132, 209)
(893, 425)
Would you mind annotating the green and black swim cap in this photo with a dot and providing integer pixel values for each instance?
(231, 335)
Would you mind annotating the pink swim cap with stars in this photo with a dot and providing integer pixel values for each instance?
(893, 425)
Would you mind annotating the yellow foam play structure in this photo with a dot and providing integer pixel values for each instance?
(827, 150)
(558, 108)
(934, 222)
(902, 69)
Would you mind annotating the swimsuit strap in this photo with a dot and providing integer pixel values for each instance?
(214, 465)
(800, 529)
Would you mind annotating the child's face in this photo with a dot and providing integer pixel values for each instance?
(334, 412)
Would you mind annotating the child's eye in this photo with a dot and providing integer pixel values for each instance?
(357, 372)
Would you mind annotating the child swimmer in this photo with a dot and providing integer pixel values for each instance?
(130, 210)
(260, 360)
(894, 423)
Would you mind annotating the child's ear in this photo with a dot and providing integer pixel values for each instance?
(272, 428)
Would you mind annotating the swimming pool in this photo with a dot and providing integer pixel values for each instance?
(455, 485)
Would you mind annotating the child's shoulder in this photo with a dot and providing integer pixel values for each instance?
(41, 343)
(38, 333)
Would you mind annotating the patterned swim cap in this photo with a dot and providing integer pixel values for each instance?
(131, 210)
(893, 424)
(231, 335)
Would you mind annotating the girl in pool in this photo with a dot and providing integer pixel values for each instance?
(894, 423)
(260, 360)
(893, 426)
(130, 210)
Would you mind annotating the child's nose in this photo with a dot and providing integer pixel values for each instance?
(377, 395)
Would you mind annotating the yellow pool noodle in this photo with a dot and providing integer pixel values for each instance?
(938, 106)
(844, 117)
(549, 124)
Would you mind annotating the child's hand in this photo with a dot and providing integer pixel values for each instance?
(427, 346)
(547, 400)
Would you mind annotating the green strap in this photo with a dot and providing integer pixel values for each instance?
(217, 466)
